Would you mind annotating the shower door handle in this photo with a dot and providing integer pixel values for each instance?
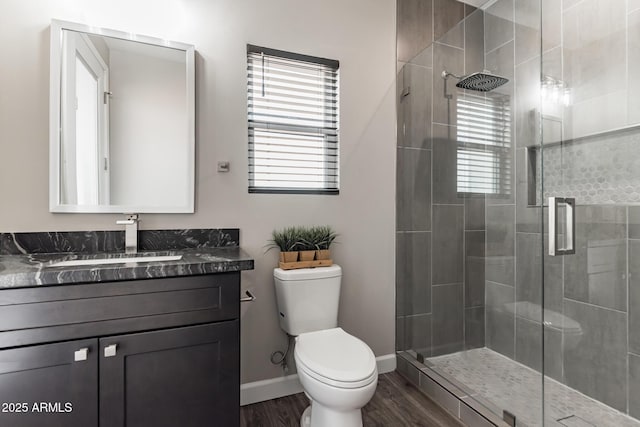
(555, 248)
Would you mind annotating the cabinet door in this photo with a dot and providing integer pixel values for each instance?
(188, 377)
(45, 385)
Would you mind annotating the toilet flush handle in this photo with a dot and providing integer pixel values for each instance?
(249, 297)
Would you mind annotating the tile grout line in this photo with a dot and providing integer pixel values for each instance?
(503, 44)
(595, 306)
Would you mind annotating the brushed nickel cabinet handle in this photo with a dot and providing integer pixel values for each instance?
(80, 355)
(110, 350)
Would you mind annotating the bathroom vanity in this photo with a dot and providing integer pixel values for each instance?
(91, 335)
(135, 344)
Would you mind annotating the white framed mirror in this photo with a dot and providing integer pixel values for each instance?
(122, 122)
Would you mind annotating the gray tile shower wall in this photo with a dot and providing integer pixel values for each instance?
(597, 366)
(474, 327)
(474, 41)
(440, 236)
(414, 272)
(597, 272)
(448, 234)
(634, 292)
(413, 182)
(498, 22)
(592, 298)
(634, 385)
(417, 113)
(448, 319)
(413, 195)
(447, 15)
(474, 268)
(499, 322)
(633, 51)
(593, 33)
(414, 27)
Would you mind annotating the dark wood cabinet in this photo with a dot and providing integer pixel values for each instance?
(44, 386)
(172, 361)
(179, 377)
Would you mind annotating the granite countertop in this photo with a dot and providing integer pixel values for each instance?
(34, 268)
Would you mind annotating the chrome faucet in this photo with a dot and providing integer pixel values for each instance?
(130, 233)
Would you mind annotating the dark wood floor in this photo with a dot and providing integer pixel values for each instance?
(395, 404)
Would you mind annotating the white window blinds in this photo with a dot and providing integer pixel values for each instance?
(293, 122)
(484, 144)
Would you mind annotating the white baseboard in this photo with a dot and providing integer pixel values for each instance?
(386, 363)
(259, 391)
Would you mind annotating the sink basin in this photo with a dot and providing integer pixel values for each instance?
(103, 261)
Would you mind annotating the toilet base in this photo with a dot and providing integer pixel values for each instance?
(305, 419)
(317, 415)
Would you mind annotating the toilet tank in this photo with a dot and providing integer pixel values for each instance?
(308, 298)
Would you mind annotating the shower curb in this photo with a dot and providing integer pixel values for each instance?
(453, 398)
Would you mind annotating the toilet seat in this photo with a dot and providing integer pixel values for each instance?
(336, 358)
(337, 384)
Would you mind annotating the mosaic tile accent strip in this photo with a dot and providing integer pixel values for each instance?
(517, 388)
(596, 170)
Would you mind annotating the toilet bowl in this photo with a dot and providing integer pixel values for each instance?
(339, 375)
(337, 371)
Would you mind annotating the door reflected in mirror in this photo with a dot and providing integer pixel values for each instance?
(125, 113)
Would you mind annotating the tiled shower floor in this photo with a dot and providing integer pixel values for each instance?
(510, 385)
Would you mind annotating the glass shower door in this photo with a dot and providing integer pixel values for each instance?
(469, 266)
(590, 157)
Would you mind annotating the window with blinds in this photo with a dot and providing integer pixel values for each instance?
(484, 144)
(292, 104)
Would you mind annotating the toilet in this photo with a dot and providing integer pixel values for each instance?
(337, 371)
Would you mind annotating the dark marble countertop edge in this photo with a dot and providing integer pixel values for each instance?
(35, 270)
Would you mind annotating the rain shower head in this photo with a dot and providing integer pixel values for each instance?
(482, 82)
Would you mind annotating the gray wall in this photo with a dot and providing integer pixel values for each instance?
(361, 37)
(440, 236)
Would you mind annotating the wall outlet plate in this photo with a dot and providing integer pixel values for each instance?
(223, 166)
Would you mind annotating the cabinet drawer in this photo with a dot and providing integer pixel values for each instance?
(66, 312)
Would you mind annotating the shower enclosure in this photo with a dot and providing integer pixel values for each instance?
(518, 209)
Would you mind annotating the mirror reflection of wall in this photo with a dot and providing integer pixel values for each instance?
(126, 125)
(148, 106)
(85, 122)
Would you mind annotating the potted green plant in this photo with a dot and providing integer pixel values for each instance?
(306, 244)
(287, 241)
(323, 237)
